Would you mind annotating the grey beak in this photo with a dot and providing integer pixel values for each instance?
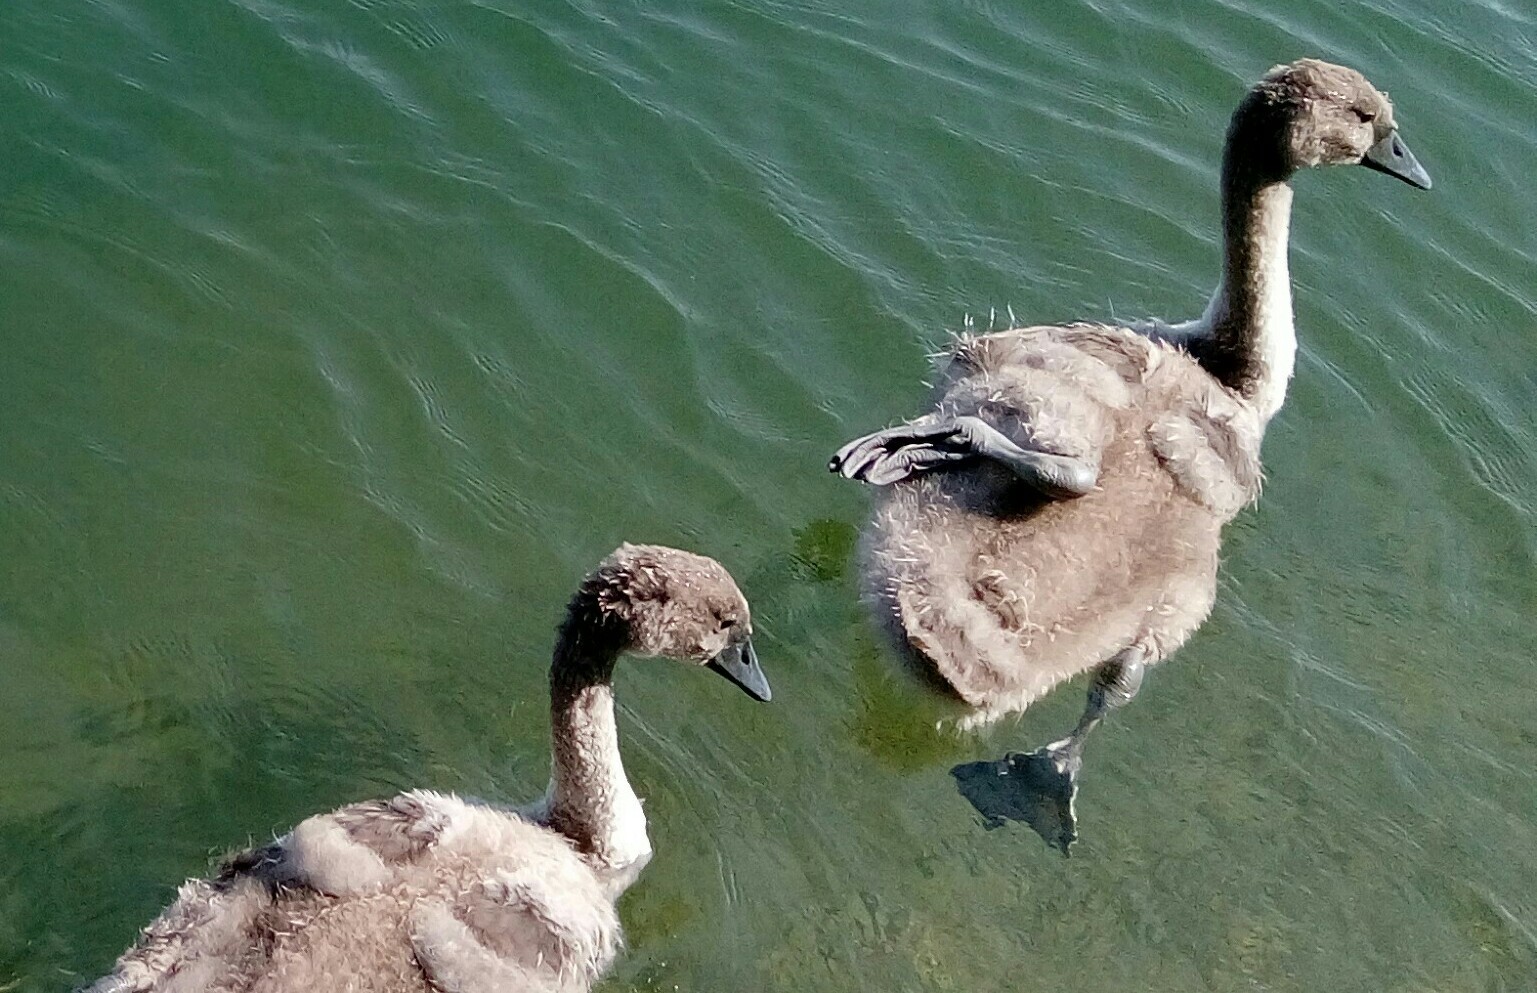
(739, 663)
(1392, 156)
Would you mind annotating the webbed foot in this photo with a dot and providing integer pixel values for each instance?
(891, 456)
(1037, 788)
(1040, 787)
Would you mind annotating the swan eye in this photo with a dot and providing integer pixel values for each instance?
(727, 623)
(1363, 115)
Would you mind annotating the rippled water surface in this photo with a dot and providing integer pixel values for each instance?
(340, 339)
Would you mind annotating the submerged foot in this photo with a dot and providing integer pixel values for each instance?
(1037, 788)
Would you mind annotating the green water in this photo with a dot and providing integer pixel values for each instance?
(340, 339)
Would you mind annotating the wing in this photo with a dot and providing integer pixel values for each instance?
(1061, 390)
(1210, 444)
(209, 932)
(502, 903)
(538, 927)
(226, 926)
(1051, 389)
(1041, 402)
(362, 847)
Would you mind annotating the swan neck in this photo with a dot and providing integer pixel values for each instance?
(590, 800)
(1251, 346)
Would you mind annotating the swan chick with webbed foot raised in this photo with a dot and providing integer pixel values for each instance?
(428, 893)
(1060, 507)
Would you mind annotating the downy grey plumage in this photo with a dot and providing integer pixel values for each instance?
(1060, 507)
(427, 892)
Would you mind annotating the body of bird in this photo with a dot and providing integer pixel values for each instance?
(429, 893)
(1060, 507)
(419, 892)
(1004, 591)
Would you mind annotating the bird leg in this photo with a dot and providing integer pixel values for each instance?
(1116, 681)
(1039, 787)
(889, 456)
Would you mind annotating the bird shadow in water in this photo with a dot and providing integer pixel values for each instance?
(1029, 787)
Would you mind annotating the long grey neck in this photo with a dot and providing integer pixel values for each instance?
(1246, 338)
(590, 800)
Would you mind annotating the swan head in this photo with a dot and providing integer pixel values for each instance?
(1324, 114)
(679, 605)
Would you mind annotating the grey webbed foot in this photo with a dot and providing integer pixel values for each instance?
(1040, 787)
(890, 456)
(1029, 787)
